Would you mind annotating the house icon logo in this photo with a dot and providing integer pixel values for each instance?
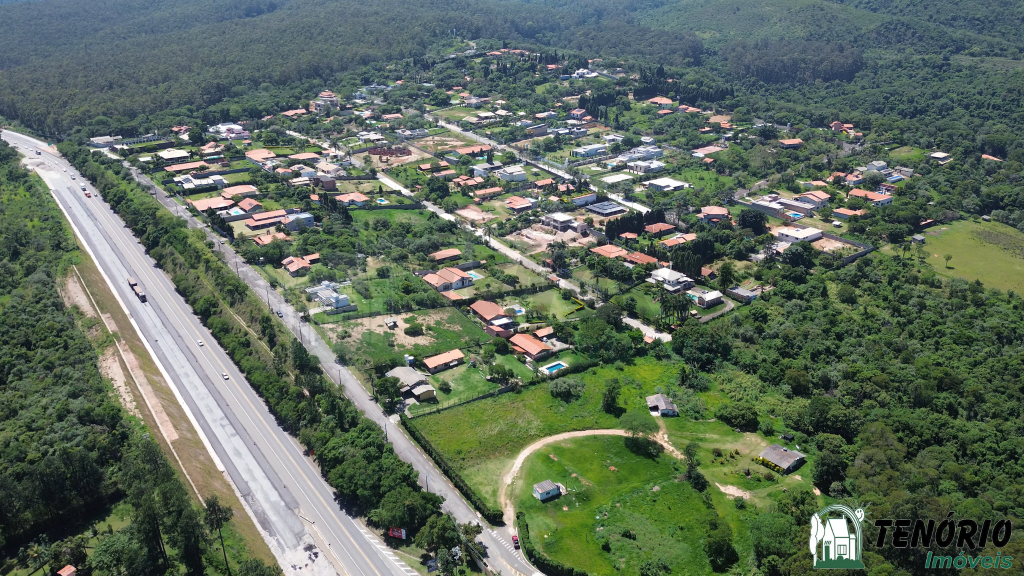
(836, 537)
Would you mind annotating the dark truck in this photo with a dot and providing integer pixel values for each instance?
(137, 289)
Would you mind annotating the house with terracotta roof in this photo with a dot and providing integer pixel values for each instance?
(816, 198)
(260, 155)
(577, 114)
(836, 126)
(447, 279)
(609, 251)
(658, 230)
(488, 192)
(68, 570)
(266, 219)
(488, 311)
(678, 240)
(628, 235)
(473, 150)
(250, 205)
(713, 214)
(640, 258)
(352, 199)
(844, 213)
(266, 239)
(296, 265)
(240, 191)
(661, 102)
(216, 203)
(444, 361)
(790, 143)
(430, 167)
(874, 198)
(293, 113)
(186, 167)
(449, 254)
(518, 204)
(529, 346)
(302, 156)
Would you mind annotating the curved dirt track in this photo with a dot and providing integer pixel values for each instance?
(506, 480)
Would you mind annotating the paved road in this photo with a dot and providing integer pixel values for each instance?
(282, 489)
(501, 556)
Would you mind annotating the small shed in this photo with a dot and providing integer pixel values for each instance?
(787, 460)
(409, 377)
(661, 405)
(546, 490)
(424, 392)
(917, 239)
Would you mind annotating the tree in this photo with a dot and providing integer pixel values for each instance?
(119, 554)
(638, 423)
(947, 258)
(215, 517)
(446, 562)
(439, 533)
(254, 567)
(727, 274)
(754, 220)
(389, 392)
(772, 535)
(610, 398)
(654, 567)
(718, 545)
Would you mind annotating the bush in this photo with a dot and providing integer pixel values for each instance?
(445, 386)
(568, 389)
(742, 415)
(413, 329)
(767, 428)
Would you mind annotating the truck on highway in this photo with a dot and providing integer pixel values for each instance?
(137, 289)
(83, 186)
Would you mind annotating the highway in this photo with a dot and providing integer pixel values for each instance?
(281, 488)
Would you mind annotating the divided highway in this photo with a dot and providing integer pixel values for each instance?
(282, 489)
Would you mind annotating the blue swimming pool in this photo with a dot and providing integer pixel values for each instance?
(381, 201)
(475, 275)
(554, 367)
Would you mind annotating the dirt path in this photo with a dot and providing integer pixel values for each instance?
(510, 476)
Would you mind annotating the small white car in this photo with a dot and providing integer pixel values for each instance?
(225, 375)
(200, 342)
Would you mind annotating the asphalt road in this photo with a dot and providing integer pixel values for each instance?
(283, 490)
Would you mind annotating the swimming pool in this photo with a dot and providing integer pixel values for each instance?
(381, 201)
(475, 275)
(554, 367)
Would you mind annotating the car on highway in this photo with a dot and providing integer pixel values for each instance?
(64, 169)
(88, 194)
(225, 375)
(279, 314)
(200, 342)
(515, 541)
(72, 176)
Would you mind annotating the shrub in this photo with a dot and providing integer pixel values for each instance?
(414, 329)
(568, 389)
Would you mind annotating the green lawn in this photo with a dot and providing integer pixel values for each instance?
(642, 495)
(551, 302)
(584, 274)
(469, 382)
(645, 304)
(907, 154)
(986, 251)
(481, 438)
(526, 277)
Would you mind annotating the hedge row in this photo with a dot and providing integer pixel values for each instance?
(543, 563)
(492, 515)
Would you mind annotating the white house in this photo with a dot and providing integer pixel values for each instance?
(590, 150)
(706, 298)
(838, 543)
(666, 184)
(794, 235)
(546, 490)
(646, 166)
(512, 173)
(671, 280)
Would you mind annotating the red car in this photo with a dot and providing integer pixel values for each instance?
(88, 194)
(515, 542)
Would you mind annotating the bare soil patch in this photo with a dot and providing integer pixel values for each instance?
(733, 492)
(377, 324)
(440, 143)
(74, 295)
(538, 237)
(719, 118)
(829, 245)
(474, 214)
(111, 368)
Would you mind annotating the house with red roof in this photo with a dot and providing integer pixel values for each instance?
(529, 346)
(658, 230)
(447, 279)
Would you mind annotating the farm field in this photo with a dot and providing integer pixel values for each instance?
(637, 505)
(986, 251)
(481, 438)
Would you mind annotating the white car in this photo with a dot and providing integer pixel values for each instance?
(200, 342)
(65, 169)
(225, 375)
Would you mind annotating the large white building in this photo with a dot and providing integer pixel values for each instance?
(671, 280)
(794, 235)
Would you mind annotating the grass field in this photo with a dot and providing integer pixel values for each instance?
(642, 495)
(481, 438)
(986, 251)
(551, 302)
(469, 382)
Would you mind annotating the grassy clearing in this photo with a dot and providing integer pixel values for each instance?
(550, 301)
(907, 154)
(473, 435)
(642, 495)
(986, 251)
(468, 382)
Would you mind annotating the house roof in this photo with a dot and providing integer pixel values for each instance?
(470, 150)
(631, 235)
(609, 251)
(545, 182)
(641, 258)
(660, 100)
(65, 571)
(240, 189)
(445, 358)
(713, 211)
(248, 204)
(680, 239)
(545, 486)
(661, 402)
(659, 227)
(186, 166)
(544, 332)
(531, 345)
(868, 195)
(217, 203)
(408, 376)
(488, 192)
(815, 194)
(268, 238)
(445, 276)
(351, 197)
(781, 456)
(451, 295)
(487, 310)
(294, 263)
(260, 154)
(848, 212)
(791, 141)
(445, 254)
(305, 156)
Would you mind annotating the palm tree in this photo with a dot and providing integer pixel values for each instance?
(35, 557)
